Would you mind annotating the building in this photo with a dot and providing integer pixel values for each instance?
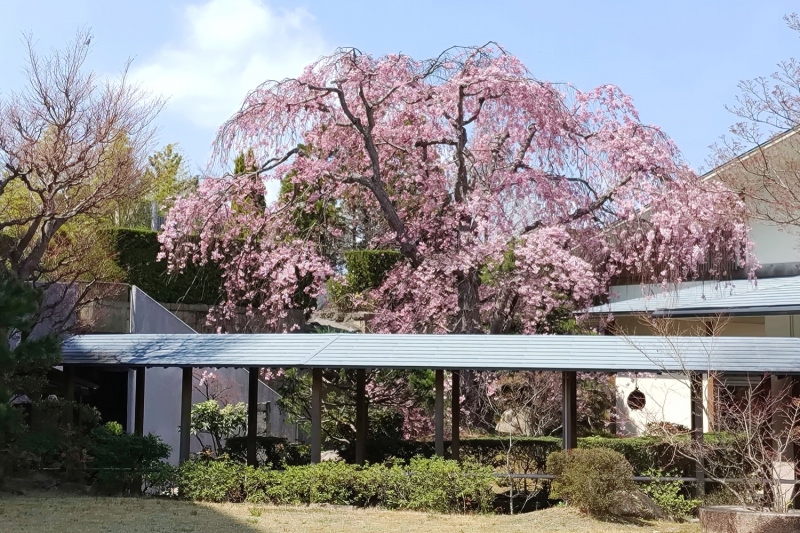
(767, 306)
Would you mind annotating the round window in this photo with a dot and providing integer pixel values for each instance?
(636, 400)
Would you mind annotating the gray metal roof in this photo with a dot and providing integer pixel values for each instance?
(769, 296)
(476, 352)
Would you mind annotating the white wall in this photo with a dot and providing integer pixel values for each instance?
(773, 245)
(666, 400)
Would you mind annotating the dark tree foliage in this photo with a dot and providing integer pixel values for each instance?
(24, 359)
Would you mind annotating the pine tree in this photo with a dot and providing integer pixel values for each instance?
(24, 359)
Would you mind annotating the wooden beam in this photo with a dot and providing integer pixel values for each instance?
(796, 449)
(362, 418)
(569, 382)
(186, 414)
(316, 415)
(455, 415)
(696, 406)
(252, 414)
(69, 393)
(438, 414)
(138, 406)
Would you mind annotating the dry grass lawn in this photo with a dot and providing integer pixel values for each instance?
(54, 513)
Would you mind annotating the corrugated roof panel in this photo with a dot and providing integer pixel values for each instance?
(186, 350)
(735, 297)
(517, 352)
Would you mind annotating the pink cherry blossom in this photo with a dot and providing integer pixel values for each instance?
(507, 196)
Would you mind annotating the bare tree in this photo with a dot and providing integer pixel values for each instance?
(755, 420)
(761, 156)
(71, 145)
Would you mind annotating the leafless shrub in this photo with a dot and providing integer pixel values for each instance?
(755, 421)
(71, 145)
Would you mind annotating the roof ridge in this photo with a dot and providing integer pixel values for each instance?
(312, 356)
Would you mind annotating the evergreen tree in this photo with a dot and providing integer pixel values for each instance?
(24, 359)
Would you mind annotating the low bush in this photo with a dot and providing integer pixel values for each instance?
(124, 462)
(212, 481)
(426, 484)
(271, 452)
(137, 258)
(446, 486)
(670, 496)
(53, 444)
(528, 455)
(590, 479)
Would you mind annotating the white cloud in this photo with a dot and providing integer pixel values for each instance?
(226, 49)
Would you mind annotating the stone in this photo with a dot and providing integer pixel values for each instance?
(635, 504)
(729, 519)
(514, 422)
(330, 455)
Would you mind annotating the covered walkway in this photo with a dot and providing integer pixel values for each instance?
(689, 356)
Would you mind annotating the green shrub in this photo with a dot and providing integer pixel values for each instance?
(529, 454)
(53, 444)
(589, 478)
(387, 486)
(643, 453)
(366, 270)
(271, 452)
(212, 481)
(219, 422)
(445, 486)
(161, 479)
(329, 482)
(123, 461)
(670, 496)
(427, 485)
(137, 251)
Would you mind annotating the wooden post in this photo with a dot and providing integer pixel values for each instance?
(438, 414)
(186, 414)
(696, 404)
(138, 406)
(569, 382)
(455, 415)
(252, 414)
(795, 448)
(362, 419)
(316, 415)
(69, 393)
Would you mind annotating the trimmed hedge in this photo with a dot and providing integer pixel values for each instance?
(366, 269)
(528, 454)
(425, 485)
(271, 452)
(136, 252)
(122, 461)
(592, 479)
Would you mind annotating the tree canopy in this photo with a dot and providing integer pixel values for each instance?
(71, 147)
(507, 196)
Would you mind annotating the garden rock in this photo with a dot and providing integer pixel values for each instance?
(514, 422)
(635, 504)
(330, 455)
(730, 519)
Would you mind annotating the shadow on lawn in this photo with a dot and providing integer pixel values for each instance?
(625, 520)
(55, 511)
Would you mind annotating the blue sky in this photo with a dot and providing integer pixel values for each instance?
(679, 60)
